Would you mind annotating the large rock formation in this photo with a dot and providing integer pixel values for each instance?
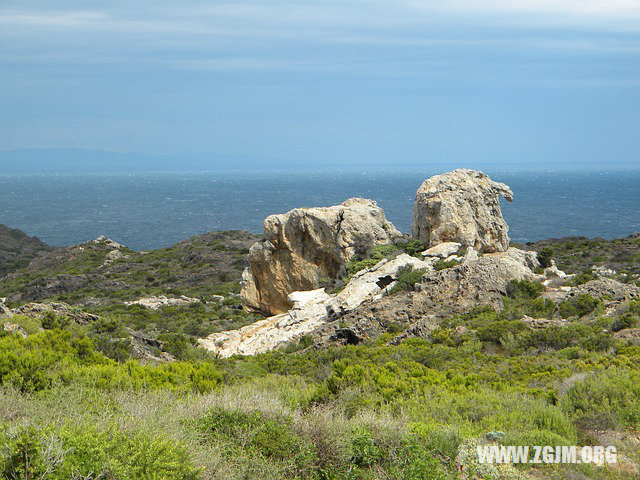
(305, 246)
(311, 310)
(363, 310)
(462, 206)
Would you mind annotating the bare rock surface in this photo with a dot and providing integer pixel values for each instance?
(442, 250)
(160, 301)
(307, 245)
(607, 288)
(4, 310)
(462, 206)
(311, 309)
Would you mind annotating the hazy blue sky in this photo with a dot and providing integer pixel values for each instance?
(511, 81)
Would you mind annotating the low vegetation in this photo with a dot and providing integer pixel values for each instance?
(77, 403)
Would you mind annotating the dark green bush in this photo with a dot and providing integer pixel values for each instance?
(545, 257)
(413, 247)
(494, 331)
(578, 306)
(626, 321)
(582, 278)
(51, 321)
(524, 289)
(407, 278)
(443, 264)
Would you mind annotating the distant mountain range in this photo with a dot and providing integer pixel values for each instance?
(80, 160)
(65, 160)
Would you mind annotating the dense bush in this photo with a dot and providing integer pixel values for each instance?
(495, 331)
(443, 264)
(524, 289)
(578, 306)
(626, 321)
(370, 258)
(407, 278)
(54, 357)
(87, 453)
(545, 257)
(606, 399)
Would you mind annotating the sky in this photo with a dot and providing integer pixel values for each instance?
(510, 82)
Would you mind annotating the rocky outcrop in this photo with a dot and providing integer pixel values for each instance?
(4, 310)
(308, 245)
(365, 311)
(462, 206)
(155, 303)
(50, 286)
(38, 310)
(440, 294)
(607, 288)
(311, 309)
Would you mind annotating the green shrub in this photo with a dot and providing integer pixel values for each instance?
(443, 264)
(493, 332)
(524, 289)
(413, 247)
(545, 257)
(53, 357)
(365, 452)
(578, 306)
(407, 278)
(271, 437)
(85, 452)
(51, 321)
(606, 399)
(582, 278)
(370, 258)
(626, 321)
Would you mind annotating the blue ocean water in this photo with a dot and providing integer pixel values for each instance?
(152, 210)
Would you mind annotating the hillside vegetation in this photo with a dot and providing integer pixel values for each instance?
(78, 401)
(17, 249)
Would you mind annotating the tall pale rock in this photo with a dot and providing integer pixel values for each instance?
(306, 245)
(462, 206)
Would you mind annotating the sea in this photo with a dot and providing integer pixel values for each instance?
(157, 209)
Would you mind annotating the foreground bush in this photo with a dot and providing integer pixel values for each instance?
(53, 357)
(606, 399)
(87, 453)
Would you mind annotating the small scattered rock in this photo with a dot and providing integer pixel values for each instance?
(14, 328)
(539, 323)
(156, 302)
(37, 310)
(443, 250)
